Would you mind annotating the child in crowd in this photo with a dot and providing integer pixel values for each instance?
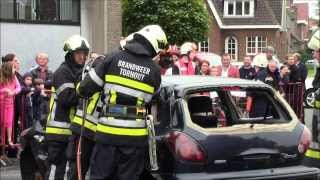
(9, 88)
(40, 102)
(26, 92)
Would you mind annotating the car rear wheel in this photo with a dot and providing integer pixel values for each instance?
(309, 97)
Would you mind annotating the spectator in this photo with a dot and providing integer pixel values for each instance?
(167, 62)
(247, 71)
(174, 53)
(13, 59)
(270, 75)
(295, 75)
(40, 101)
(42, 70)
(9, 88)
(271, 54)
(284, 75)
(26, 107)
(204, 67)
(185, 65)
(301, 67)
(214, 71)
(226, 69)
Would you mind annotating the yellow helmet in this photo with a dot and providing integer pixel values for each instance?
(186, 48)
(314, 42)
(156, 37)
(74, 43)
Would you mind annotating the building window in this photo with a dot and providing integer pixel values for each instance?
(238, 8)
(41, 11)
(203, 46)
(256, 44)
(231, 47)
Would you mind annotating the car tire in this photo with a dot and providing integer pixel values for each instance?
(309, 97)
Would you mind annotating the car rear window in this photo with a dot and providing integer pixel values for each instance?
(228, 106)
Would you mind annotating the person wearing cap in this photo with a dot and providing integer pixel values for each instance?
(312, 156)
(63, 103)
(129, 79)
(185, 65)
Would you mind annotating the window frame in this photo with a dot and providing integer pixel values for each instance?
(53, 22)
(201, 46)
(232, 115)
(256, 47)
(234, 14)
(226, 47)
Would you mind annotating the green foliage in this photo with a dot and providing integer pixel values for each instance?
(182, 20)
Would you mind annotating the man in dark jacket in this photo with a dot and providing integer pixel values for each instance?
(301, 67)
(129, 80)
(270, 75)
(63, 102)
(42, 70)
(247, 71)
(295, 74)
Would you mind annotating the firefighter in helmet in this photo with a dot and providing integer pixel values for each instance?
(129, 80)
(312, 156)
(63, 102)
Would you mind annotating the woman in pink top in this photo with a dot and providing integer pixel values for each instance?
(9, 87)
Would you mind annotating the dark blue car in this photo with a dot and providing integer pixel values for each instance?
(219, 128)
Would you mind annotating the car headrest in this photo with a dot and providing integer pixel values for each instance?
(198, 104)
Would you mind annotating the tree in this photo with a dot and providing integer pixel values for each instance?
(182, 20)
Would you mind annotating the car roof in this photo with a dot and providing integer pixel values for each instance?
(199, 80)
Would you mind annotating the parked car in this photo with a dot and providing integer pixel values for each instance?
(221, 128)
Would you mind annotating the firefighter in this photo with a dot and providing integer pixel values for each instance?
(93, 110)
(129, 80)
(62, 104)
(312, 156)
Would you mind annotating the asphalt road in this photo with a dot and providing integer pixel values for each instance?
(13, 173)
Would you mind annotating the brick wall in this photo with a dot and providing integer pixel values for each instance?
(274, 38)
(113, 28)
(101, 24)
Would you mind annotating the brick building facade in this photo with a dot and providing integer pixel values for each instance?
(248, 27)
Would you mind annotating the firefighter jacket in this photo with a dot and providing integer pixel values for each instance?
(93, 109)
(314, 149)
(63, 101)
(129, 79)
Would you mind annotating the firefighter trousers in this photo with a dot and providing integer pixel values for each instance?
(110, 162)
(57, 160)
(87, 146)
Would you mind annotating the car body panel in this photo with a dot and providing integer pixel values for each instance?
(240, 147)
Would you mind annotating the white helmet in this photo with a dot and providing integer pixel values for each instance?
(260, 60)
(74, 43)
(314, 42)
(186, 48)
(155, 35)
